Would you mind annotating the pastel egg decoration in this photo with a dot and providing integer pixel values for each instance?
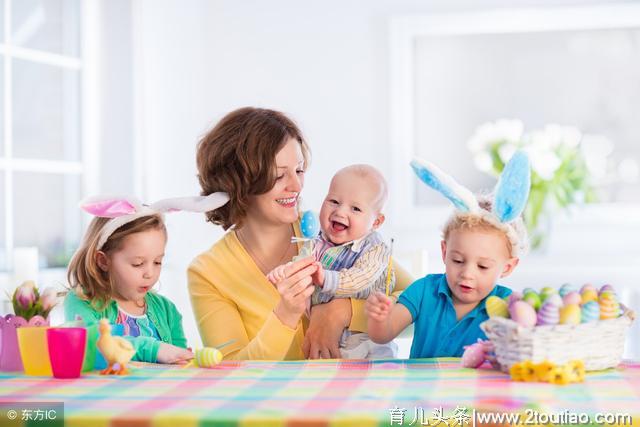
(546, 292)
(549, 314)
(528, 290)
(309, 224)
(497, 307)
(523, 314)
(555, 299)
(533, 299)
(565, 289)
(607, 294)
(590, 312)
(515, 296)
(570, 314)
(609, 308)
(587, 286)
(589, 295)
(607, 288)
(572, 297)
(207, 357)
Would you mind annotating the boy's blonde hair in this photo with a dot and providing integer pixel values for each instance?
(515, 232)
(88, 280)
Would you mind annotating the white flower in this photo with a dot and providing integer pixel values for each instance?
(543, 162)
(507, 151)
(502, 130)
(483, 162)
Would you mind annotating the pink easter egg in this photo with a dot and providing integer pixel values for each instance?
(572, 298)
(523, 314)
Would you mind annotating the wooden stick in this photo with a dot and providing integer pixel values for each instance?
(389, 267)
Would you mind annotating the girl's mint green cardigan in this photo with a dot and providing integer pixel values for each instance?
(161, 312)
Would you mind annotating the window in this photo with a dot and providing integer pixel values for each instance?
(42, 166)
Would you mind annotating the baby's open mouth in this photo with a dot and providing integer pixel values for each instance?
(338, 226)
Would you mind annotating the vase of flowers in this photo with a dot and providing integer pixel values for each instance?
(31, 309)
(560, 176)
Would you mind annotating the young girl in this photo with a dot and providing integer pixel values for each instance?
(112, 273)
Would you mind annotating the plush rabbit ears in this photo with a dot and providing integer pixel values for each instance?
(123, 210)
(510, 195)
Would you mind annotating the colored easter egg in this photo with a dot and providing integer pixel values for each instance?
(565, 289)
(609, 308)
(523, 314)
(546, 292)
(207, 357)
(555, 299)
(527, 290)
(607, 288)
(549, 314)
(572, 298)
(515, 296)
(309, 224)
(570, 314)
(496, 307)
(533, 299)
(589, 295)
(590, 312)
(607, 294)
(588, 286)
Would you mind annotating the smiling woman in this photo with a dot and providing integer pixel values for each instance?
(259, 157)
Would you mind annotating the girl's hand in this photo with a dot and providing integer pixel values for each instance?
(378, 307)
(318, 276)
(295, 290)
(168, 353)
(322, 338)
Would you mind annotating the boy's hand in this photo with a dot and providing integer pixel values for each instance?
(378, 306)
(168, 353)
(318, 276)
(277, 275)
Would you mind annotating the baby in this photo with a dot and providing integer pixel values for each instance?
(353, 259)
(482, 242)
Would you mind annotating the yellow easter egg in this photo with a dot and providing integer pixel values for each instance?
(609, 308)
(208, 357)
(497, 307)
(570, 314)
(589, 295)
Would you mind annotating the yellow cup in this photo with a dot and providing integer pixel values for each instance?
(34, 350)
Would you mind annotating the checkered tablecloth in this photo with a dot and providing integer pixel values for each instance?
(340, 393)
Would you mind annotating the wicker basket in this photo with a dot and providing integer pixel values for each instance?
(598, 344)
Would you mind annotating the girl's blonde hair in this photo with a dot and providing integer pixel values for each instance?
(515, 232)
(85, 277)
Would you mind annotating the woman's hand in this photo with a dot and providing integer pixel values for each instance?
(168, 353)
(295, 290)
(327, 322)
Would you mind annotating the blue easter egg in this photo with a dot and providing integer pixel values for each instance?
(590, 312)
(565, 289)
(309, 224)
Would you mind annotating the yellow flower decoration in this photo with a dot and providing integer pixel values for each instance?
(576, 369)
(543, 371)
(516, 372)
(560, 375)
(529, 371)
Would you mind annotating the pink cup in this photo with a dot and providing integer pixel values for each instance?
(66, 351)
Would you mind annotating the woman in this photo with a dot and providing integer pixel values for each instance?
(259, 158)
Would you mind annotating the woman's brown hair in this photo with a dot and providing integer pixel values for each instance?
(88, 280)
(238, 156)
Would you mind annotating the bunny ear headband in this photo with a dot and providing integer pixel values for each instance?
(510, 195)
(123, 210)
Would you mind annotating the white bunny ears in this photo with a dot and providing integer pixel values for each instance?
(510, 195)
(123, 210)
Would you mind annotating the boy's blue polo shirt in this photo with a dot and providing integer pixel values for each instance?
(437, 332)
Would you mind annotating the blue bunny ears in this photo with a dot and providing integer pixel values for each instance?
(510, 195)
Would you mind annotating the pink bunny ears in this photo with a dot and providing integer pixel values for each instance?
(123, 210)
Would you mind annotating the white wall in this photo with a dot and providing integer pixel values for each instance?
(323, 63)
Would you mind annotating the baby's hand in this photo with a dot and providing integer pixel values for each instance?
(276, 275)
(318, 276)
(378, 306)
(168, 353)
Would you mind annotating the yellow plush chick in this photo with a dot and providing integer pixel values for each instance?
(114, 349)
